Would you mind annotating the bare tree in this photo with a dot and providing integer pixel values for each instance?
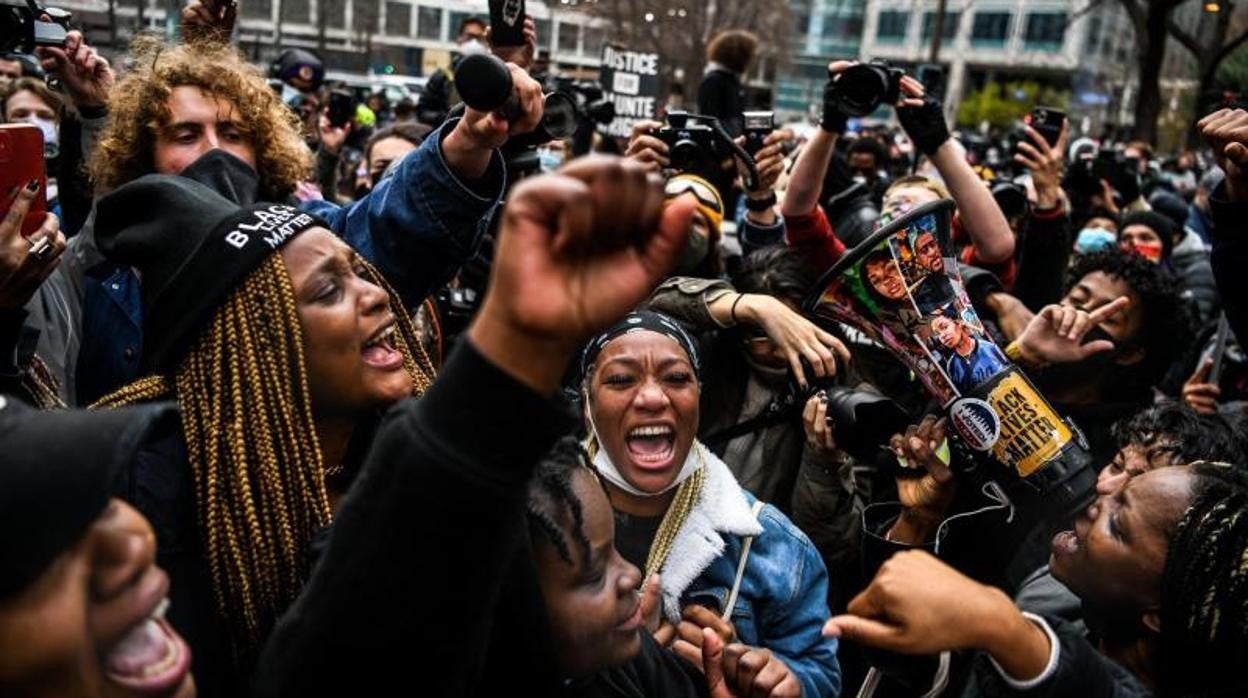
(678, 30)
(1151, 20)
(1212, 45)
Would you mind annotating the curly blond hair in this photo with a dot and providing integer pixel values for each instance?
(138, 108)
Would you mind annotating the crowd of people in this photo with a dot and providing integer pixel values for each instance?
(407, 403)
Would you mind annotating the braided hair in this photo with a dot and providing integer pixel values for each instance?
(253, 447)
(551, 495)
(1204, 588)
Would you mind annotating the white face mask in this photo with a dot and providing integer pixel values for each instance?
(51, 135)
(473, 47)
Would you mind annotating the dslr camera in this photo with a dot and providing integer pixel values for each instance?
(589, 98)
(22, 30)
(862, 88)
(697, 144)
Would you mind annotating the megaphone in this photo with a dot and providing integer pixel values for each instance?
(901, 287)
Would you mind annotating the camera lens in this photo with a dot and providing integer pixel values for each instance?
(687, 156)
(860, 89)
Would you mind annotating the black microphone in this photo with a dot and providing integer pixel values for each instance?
(484, 83)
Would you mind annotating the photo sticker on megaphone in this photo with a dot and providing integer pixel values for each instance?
(901, 287)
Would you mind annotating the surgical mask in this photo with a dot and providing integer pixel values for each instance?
(473, 47)
(1093, 239)
(51, 135)
(549, 159)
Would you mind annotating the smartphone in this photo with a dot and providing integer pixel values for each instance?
(758, 125)
(507, 22)
(341, 109)
(21, 160)
(1048, 122)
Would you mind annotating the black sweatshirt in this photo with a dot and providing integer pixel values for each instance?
(1230, 259)
(427, 586)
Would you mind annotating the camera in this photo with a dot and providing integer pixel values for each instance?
(22, 30)
(691, 142)
(589, 99)
(1085, 174)
(758, 125)
(862, 88)
(697, 144)
(863, 420)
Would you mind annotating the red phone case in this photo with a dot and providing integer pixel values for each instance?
(21, 160)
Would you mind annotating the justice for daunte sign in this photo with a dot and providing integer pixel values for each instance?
(630, 79)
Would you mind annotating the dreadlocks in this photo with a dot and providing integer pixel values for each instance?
(1204, 588)
(550, 494)
(252, 444)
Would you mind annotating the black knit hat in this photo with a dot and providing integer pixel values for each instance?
(192, 247)
(1160, 225)
(58, 470)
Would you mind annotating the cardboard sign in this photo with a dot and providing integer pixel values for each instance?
(630, 80)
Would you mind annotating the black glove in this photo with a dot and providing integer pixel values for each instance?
(833, 120)
(925, 125)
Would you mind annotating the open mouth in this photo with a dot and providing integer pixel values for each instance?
(1065, 543)
(653, 446)
(379, 351)
(152, 659)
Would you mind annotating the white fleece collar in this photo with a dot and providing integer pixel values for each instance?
(721, 509)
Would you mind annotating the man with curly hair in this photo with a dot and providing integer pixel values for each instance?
(1100, 352)
(202, 112)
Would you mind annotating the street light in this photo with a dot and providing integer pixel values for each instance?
(1213, 7)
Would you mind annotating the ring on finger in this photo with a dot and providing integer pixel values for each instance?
(39, 249)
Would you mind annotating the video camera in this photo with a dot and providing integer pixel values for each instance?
(697, 144)
(22, 30)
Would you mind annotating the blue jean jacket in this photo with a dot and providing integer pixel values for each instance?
(417, 227)
(783, 601)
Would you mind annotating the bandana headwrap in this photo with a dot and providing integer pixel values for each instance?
(641, 321)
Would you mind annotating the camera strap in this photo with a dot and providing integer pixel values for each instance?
(774, 413)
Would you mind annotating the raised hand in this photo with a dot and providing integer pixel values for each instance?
(1226, 131)
(576, 251)
(1200, 394)
(86, 74)
(1046, 163)
(25, 262)
(209, 20)
(646, 149)
(1056, 334)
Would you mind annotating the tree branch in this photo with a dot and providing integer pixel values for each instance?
(1230, 46)
(1189, 42)
(1138, 18)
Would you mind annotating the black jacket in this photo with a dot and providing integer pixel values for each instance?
(427, 581)
(1043, 252)
(721, 95)
(1081, 671)
(1230, 258)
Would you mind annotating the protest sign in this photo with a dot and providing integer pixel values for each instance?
(630, 81)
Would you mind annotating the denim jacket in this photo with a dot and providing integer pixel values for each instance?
(417, 227)
(782, 604)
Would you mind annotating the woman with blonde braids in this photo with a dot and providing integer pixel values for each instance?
(725, 560)
(281, 346)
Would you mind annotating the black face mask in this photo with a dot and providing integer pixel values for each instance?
(226, 175)
(1098, 368)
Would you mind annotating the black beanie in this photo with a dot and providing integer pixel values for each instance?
(58, 470)
(1160, 225)
(192, 247)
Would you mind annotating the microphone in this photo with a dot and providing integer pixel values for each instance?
(484, 83)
